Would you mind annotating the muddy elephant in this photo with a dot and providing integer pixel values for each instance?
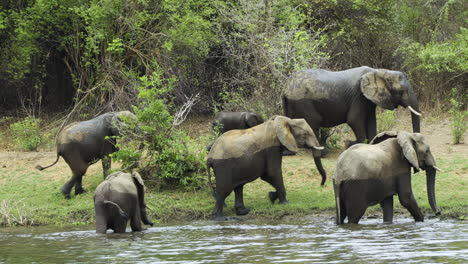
(366, 175)
(119, 198)
(241, 156)
(327, 98)
(225, 121)
(81, 144)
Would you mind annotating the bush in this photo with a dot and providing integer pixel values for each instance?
(26, 134)
(164, 155)
(458, 116)
(385, 120)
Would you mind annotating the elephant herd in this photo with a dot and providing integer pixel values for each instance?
(250, 148)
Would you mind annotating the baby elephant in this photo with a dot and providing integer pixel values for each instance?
(366, 175)
(241, 156)
(225, 121)
(118, 199)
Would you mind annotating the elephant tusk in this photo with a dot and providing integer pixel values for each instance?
(437, 169)
(320, 148)
(414, 111)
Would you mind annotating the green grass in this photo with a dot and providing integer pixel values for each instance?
(31, 197)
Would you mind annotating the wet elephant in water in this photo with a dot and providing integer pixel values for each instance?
(83, 143)
(366, 175)
(241, 156)
(118, 199)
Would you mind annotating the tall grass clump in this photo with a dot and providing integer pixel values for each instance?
(26, 134)
(458, 116)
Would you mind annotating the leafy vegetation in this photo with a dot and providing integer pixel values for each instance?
(26, 133)
(458, 116)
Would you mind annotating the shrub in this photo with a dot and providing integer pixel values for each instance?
(458, 116)
(26, 134)
(385, 120)
(164, 155)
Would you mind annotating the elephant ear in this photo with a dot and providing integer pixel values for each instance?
(383, 136)
(377, 85)
(406, 142)
(283, 132)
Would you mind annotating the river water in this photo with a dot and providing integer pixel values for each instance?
(308, 240)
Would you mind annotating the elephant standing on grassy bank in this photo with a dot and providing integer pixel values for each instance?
(225, 121)
(366, 175)
(327, 99)
(81, 144)
(121, 197)
(241, 156)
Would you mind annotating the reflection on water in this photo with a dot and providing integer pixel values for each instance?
(305, 241)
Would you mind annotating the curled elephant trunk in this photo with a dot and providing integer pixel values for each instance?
(430, 177)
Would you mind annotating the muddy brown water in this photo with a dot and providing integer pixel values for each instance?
(312, 240)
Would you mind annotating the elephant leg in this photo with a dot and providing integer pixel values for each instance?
(278, 184)
(239, 203)
(135, 220)
(218, 209)
(359, 130)
(371, 126)
(78, 167)
(355, 212)
(106, 165)
(407, 200)
(387, 208)
(120, 225)
(101, 219)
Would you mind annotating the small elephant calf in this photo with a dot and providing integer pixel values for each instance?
(225, 121)
(118, 199)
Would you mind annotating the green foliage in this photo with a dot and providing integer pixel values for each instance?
(458, 116)
(164, 155)
(385, 120)
(26, 133)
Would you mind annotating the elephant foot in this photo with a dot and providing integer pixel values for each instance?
(148, 222)
(284, 202)
(65, 193)
(79, 191)
(242, 211)
(273, 196)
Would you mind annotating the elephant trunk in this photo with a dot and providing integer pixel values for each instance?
(318, 163)
(430, 177)
(413, 107)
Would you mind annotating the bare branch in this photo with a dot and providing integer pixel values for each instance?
(181, 114)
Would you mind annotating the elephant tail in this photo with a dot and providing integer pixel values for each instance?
(209, 166)
(116, 206)
(39, 167)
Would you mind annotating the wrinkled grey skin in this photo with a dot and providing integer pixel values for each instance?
(327, 99)
(225, 121)
(366, 175)
(241, 156)
(119, 198)
(81, 144)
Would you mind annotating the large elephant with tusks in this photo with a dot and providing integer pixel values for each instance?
(328, 98)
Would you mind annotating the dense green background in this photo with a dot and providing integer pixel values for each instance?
(90, 54)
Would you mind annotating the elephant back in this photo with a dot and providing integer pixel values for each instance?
(236, 143)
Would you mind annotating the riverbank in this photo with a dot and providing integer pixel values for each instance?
(32, 197)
